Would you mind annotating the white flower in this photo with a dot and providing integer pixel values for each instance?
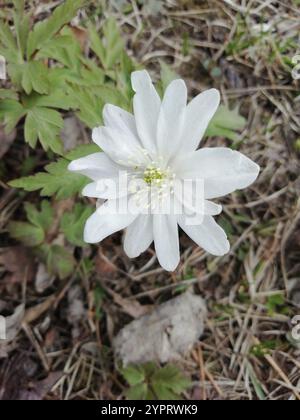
(157, 145)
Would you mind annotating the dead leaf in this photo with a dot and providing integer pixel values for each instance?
(129, 306)
(81, 35)
(40, 389)
(12, 328)
(43, 279)
(6, 140)
(71, 133)
(35, 312)
(166, 334)
(103, 266)
(76, 312)
(19, 263)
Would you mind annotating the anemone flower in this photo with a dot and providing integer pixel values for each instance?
(156, 147)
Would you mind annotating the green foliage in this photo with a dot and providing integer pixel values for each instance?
(151, 382)
(45, 30)
(58, 260)
(264, 348)
(226, 123)
(50, 74)
(57, 180)
(110, 48)
(33, 232)
(276, 304)
(72, 223)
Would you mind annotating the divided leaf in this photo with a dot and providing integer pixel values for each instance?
(151, 382)
(110, 49)
(46, 29)
(44, 124)
(33, 232)
(72, 223)
(57, 180)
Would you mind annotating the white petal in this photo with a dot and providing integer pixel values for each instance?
(118, 118)
(211, 208)
(171, 119)
(199, 113)
(107, 189)
(209, 235)
(190, 197)
(166, 239)
(106, 221)
(95, 166)
(138, 236)
(222, 169)
(121, 147)
(146, 105)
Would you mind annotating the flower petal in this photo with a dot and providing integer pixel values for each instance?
(146, 105)
(209, 235)
(166, 239)
(120, 119)
(95, 166)
(222, 169)
(171, 119)
(199, 112)
(105, 221)
(107, 189)
(123, 148)
(190, 199)
(138, 236)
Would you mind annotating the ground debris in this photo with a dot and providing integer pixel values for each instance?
(165, 334)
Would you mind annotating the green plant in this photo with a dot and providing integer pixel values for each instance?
(147, 382)
(40, 231)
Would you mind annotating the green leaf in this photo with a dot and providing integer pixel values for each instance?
(163, 393)
(72, 223)
(28, 234)
(44, 124)
(34, 77)
(133, 374)
(56, 99)
(62, 48)
(33, 233)
(226, 123)
(169, 379)
(43, 218)
(111, 48)
(137, 392)
(11, 111)
(8, 94)
(58, 180)
(59, 261)
(82, 151)
(46, 29)
(91, 101)
(22, 26)
(8, 45)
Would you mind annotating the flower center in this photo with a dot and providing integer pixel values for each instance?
(154, 175)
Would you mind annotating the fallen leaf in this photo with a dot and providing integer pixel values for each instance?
(165, 334)
(71, 133)
(12, 328)
(129, 306)
(103, 266)
(19, 263)
(43, 279)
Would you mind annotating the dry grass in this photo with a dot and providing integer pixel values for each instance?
(246, 352)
